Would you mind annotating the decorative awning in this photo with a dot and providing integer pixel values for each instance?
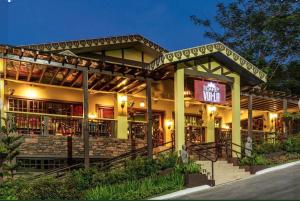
(218, 50)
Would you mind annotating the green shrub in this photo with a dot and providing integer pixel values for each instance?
(167, 160)
(266, 148)
(9, 189)
(110, 177)
(188, 168)
(137, 189)
(255, 160)
(46, 188)
(79, 180)
(292, 144)
(141, 167)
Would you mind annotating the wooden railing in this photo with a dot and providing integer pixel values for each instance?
(27, 123)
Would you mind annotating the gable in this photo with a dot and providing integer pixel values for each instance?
(224, 54)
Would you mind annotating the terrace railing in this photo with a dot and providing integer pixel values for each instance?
(27, 123)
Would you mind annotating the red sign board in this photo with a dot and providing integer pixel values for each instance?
(212, 92)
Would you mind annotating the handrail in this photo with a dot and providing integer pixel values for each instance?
(237, 152)
(207, 149)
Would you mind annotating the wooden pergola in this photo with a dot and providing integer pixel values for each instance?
(66, 70)
(267, 100)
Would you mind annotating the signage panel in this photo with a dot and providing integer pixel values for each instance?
(211, 92)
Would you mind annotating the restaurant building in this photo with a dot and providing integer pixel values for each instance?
(95, 99)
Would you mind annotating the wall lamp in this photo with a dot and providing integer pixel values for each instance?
(123, 100)
(211, 110)
(169, 124)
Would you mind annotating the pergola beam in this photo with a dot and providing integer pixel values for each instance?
(71, 66)
(66, 76)
(44, 70)
(30, 72)
(54, 76)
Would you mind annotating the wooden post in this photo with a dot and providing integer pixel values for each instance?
(149, 115)
(236, 113)
(85, 131)
(179, 107)
(285, 130)
(250, 117)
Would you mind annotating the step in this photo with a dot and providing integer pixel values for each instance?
(224, 172)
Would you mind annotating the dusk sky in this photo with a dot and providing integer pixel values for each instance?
(165, 22)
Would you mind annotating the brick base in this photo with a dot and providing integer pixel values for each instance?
(57, 146)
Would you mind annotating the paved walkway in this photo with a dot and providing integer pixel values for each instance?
(279, 185)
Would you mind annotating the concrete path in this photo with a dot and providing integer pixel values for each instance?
(277, 185)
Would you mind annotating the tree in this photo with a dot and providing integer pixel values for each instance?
(10, 143)
(267, 33)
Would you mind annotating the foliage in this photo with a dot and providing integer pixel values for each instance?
(137, 189)
(265, 32)
(9, 189)
(110, 177)
(167, 160)
(255, 160)
(266, 148)
(79, 180)
(292, 144)
(141, 167)
(3, 149)
(46, 188)
(10, 143)
(292, 116)
(188, 168)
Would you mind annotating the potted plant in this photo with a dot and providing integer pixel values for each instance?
(192, 175)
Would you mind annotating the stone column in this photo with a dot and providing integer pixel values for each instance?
(179, 107)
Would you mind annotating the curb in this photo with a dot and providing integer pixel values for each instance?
(181, 193)
(279, 167)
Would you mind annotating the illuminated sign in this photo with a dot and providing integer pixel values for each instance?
(212, 92)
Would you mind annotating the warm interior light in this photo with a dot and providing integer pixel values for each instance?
(225, 126)
(273, 116)
(211, 109)
(142, 104)
(92, 116)
(30, 93)
(169, 123)
(123, 100)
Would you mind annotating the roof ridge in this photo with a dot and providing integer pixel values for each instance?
(101, 40)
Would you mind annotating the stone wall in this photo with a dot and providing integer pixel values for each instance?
(57, 146)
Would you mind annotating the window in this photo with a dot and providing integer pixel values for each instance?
(45, 106)
(41, 163)
(105, 112)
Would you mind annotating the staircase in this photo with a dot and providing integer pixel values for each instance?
(224, 172)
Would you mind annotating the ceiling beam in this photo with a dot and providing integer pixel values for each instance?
(128, 85)
(76, 79)
(54, 75)
(44, 70)
(109, 82)
(30, 72)
(70, 71)
(121, 82)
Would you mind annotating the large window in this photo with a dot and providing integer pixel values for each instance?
(45, 106)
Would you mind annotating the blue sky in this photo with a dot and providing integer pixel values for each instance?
(165, 22)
